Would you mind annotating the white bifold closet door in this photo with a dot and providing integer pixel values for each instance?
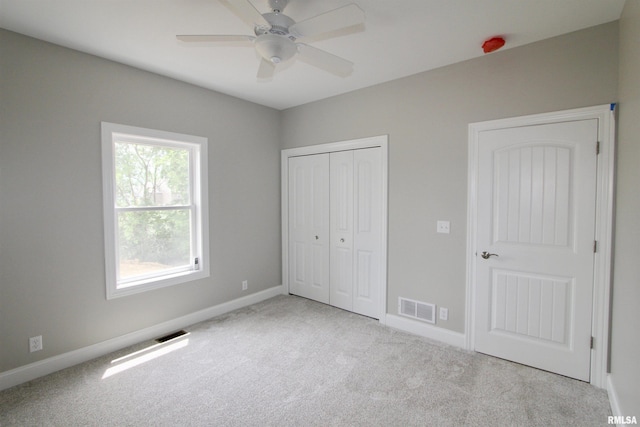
(355, 206)
(350, 240)
(309, 227)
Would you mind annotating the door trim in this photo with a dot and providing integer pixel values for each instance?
(605, 114)
(353, 144)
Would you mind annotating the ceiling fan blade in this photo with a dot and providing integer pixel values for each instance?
(332, 20)
(246, 11)
(325, 60)
(215, 38)
(266, 70)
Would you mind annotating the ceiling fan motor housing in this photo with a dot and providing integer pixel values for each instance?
(278, 24)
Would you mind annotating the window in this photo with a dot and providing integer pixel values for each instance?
(155, 208)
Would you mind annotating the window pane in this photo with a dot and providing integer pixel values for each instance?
(153, 241)
(151, 175)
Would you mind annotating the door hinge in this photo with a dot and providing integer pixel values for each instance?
(595, 246)
(597, 148)
(591, 344)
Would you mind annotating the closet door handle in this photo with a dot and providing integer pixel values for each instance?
(317, 237)
(341, 240)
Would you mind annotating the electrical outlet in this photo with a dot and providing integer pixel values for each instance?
(443, 227)
(444, 313)
(35, 343)
(245, 285)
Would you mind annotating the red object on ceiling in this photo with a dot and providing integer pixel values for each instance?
(492, 44)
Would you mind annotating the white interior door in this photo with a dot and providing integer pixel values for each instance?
(309, 226)
(536, 224)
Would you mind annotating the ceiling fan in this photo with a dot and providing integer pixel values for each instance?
(277, 35)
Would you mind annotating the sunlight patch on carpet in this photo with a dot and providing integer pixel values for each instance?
(142, 356)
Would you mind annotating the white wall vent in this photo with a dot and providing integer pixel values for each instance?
(417, 310)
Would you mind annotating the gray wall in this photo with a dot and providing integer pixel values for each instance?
(426, 117)
(51, 233)
(625, 339)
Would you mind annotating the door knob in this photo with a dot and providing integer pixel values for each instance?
(341, 240)
(317, 237)
(487, 255)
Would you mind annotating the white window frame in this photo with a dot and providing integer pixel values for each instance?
(112, 133)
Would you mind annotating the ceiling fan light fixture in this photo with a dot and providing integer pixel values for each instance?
(275, 48)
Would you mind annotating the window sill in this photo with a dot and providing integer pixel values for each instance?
(136, 287)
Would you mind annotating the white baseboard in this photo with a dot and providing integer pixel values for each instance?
(65, 360)
(425, 330)
(613, 397)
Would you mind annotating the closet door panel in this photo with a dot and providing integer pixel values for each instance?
(308, 188)
(367, 238)
(341, 219)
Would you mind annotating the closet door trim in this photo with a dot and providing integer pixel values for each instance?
(353, 144)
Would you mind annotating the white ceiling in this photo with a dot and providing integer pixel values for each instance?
(400, 38)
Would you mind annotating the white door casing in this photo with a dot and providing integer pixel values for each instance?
(504, 278)
(536, 212)
(368, 176)
(308, 186)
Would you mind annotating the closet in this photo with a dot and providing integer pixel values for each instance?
(335, 217)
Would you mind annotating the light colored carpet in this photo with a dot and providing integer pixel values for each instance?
(291, 361)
